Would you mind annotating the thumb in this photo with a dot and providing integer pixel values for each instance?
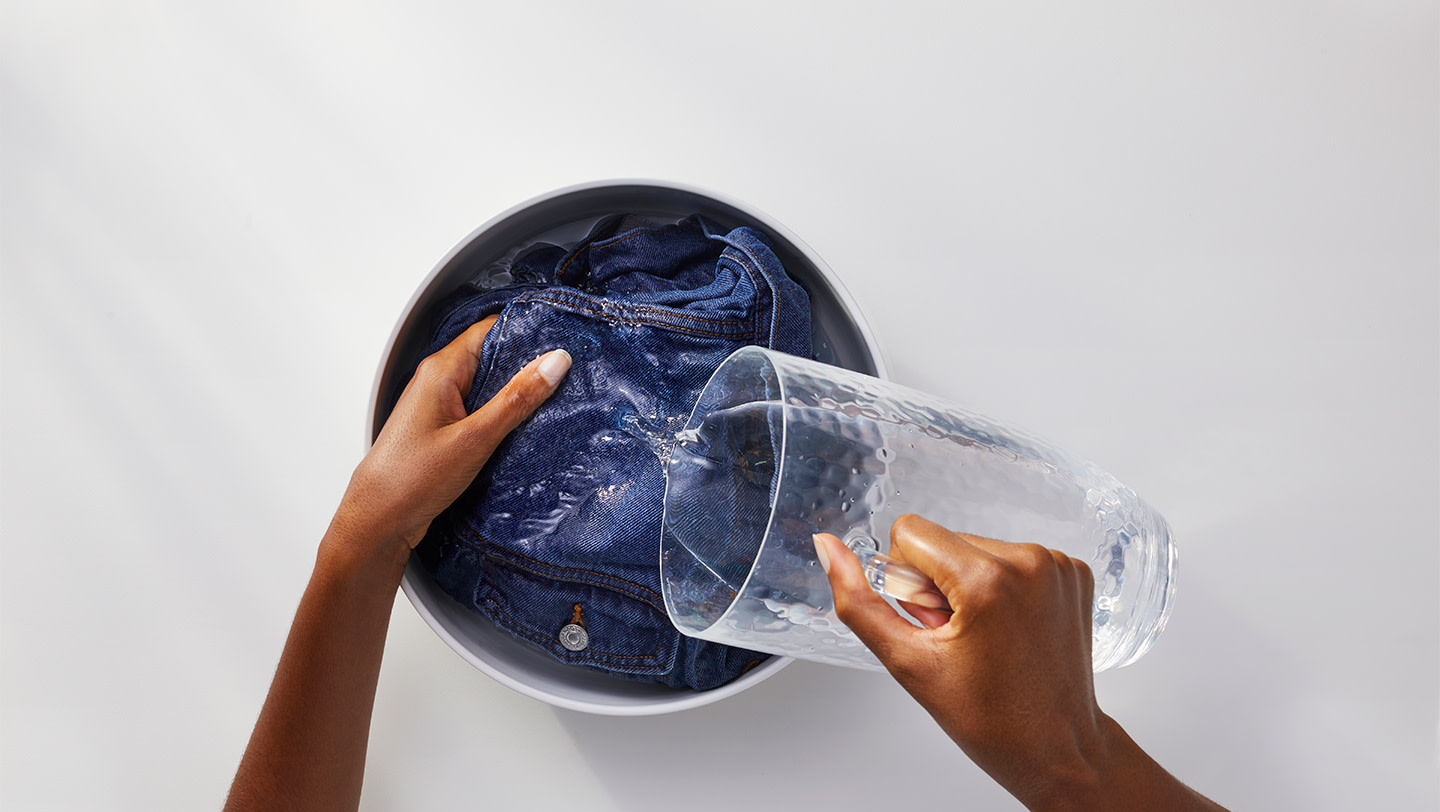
(878, 626)
(515, 402)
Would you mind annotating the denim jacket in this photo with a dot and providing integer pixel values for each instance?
(557, 541)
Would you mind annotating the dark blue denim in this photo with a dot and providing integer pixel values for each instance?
(562, 526)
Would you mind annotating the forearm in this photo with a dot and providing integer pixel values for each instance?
(307, 751)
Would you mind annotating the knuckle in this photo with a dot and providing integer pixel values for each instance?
(514, 406)
(531, 393)
(428, 368)
(521, 396)
(989, 582)
(907, 525)
(1032, 559)
(510, 401)
(914, 532)
(915, 527)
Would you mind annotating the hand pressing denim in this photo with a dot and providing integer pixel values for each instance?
(430, 450)
(307, 751)
(1008, 674)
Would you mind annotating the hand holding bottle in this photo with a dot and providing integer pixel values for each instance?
(1008, 674)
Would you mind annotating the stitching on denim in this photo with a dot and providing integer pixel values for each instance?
(587, 653)
(748, 254)
(581, 302)
(550, 571)
(750, 272)
(678, 313)
(605, 243)
(490, 551)
(748, 262)
(639, 231)
(536, 636)
(774, 296)
(617, 317)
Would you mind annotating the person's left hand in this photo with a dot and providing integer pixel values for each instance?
(430, 450)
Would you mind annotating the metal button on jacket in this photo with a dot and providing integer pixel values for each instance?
(574, 637)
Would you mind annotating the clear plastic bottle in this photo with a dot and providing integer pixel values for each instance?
(779, 448)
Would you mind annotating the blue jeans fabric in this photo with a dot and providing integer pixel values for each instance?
(562, 526)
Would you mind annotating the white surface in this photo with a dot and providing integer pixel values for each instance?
(1196, 243)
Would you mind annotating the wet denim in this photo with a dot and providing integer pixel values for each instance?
(562, 526)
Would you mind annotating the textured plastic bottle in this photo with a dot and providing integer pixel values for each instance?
(779, 448)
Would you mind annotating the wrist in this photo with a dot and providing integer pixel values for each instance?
(1079, 773)
(354, 549)
(1083, 782)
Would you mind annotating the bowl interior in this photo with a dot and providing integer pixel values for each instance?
(840, 334)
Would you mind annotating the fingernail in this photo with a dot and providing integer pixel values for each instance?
(554, 366)
(821, 554)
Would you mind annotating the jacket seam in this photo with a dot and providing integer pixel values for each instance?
(579, 302)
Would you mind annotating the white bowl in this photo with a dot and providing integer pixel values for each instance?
(841, 337)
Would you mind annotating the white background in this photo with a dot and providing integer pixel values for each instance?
(1195, 242)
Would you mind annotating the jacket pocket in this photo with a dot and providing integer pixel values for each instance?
(624, 632)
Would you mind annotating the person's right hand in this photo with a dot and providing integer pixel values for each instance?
(1008, 675)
